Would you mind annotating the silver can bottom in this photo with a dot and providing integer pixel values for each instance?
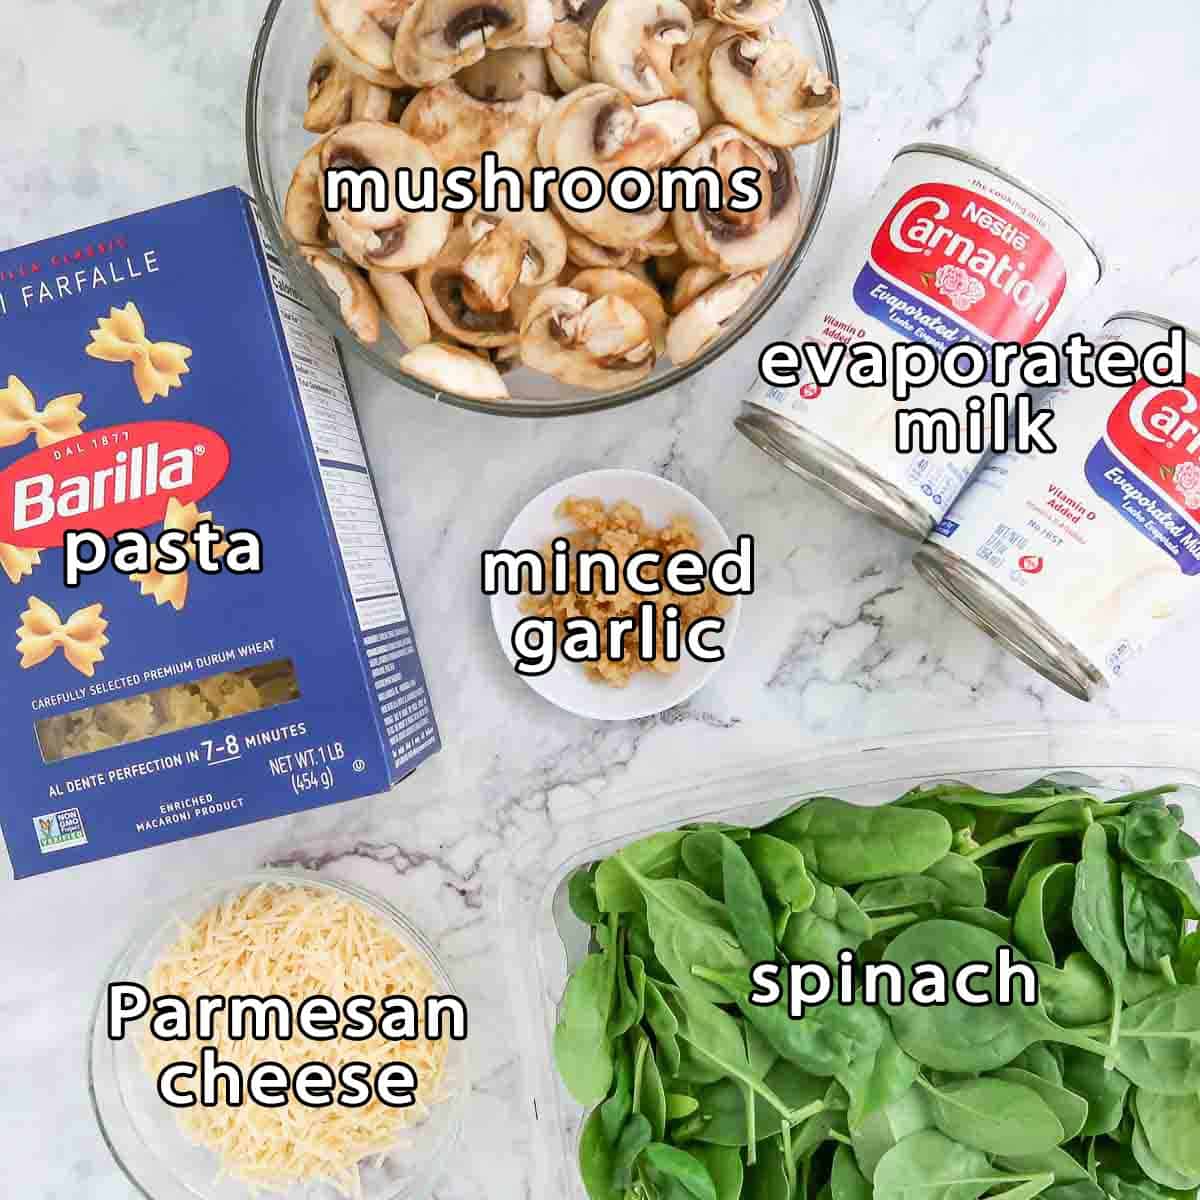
(1009, 621)
(823, 465)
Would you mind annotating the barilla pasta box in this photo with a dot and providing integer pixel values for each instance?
(209, 626)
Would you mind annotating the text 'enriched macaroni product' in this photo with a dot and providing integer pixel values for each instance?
(164, 391)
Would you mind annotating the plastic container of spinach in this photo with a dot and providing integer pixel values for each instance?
(546, 941)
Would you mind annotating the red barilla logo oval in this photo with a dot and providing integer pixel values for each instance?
(107, 480)
(974, 258)
(1158, 430)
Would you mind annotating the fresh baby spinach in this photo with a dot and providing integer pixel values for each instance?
(1092, 1092)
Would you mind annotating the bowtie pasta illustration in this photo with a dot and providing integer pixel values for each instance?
(18, 561)
(80, 636)
(173, 588)
(157, 366)
(19, 416)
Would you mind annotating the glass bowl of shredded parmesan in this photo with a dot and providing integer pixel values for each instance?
(341, 1095)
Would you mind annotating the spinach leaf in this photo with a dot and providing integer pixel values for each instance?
(880, 1130)
(1153, 918)
(1104, 1090)
(656, 857)
(582, 1051)
(930, 1166)
(962, 879)
(597, 1165)
(746, 904)
(1159, 1044)
(1044, 913)
(995, 1115)
(663, 1026)
(846, 1181)
(846, 844)
(1158, 1170)
(686, 1169)
(1039, 853)
(1070, 1109)
(833, 923)
(1171, 1125)
(725, 1167)
(1096, 915)
(724, 1105)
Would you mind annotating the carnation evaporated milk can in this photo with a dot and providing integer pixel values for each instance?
(1076, 560)
(953, 250)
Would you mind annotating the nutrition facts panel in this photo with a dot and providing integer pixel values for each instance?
(329, 413)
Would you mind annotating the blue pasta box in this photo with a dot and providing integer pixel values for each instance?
(159, 374)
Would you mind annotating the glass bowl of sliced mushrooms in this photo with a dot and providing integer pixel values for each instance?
(514, 310)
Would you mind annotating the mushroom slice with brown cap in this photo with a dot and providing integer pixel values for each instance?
(408, 244)
(376, 144)
(603, 281)
(691, 284)
(631, 46)
(458, 129)
(510, 246)
(303, 214)
(506, 74)
(448, 300)
(361, 34)
(402, 307)
(706, 318)
(356, 301)
(690, 66)
(730, 240)
(330, 86)
(450, 369)
(747, 14)
(436, 38)
(596, 344)
(767, 87)
(570, 35)
(598, 127)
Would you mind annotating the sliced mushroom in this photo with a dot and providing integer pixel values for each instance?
(406, 238)
(691, 284)
(510, 246)
(705, 319)
(603, 281)
(746, 14)
(413, 241)
(450, 369)
(458, 129)
(767, 87)
(690, 66)
(361, 33)
(735, 241)
(631, 46)
(303, 214)
(506, 74)
(402, 307)
(667, 269)
(356, 300)
(330, 86)
(436, 38)
(448, 300)
(370, 102)
(597, 126)
(583, 252)
(597, 344)
(567, 55)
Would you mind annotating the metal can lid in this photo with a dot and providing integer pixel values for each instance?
(1153, 319)
(975, 160)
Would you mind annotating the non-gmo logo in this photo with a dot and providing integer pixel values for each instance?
(59, 830)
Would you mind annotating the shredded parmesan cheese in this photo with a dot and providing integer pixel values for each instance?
(296, 942)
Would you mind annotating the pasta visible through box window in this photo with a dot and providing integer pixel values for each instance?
(167, 710)
(295, 942)
(622, 531)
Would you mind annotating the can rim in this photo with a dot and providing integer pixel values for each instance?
(1133, 314)
(977, 160)
(1023, 632)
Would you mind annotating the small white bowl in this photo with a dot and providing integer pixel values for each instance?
(567, 684)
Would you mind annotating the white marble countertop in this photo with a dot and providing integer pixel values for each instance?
(111, 106)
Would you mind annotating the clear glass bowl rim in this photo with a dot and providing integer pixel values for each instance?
(762, 302)
(152, 921)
